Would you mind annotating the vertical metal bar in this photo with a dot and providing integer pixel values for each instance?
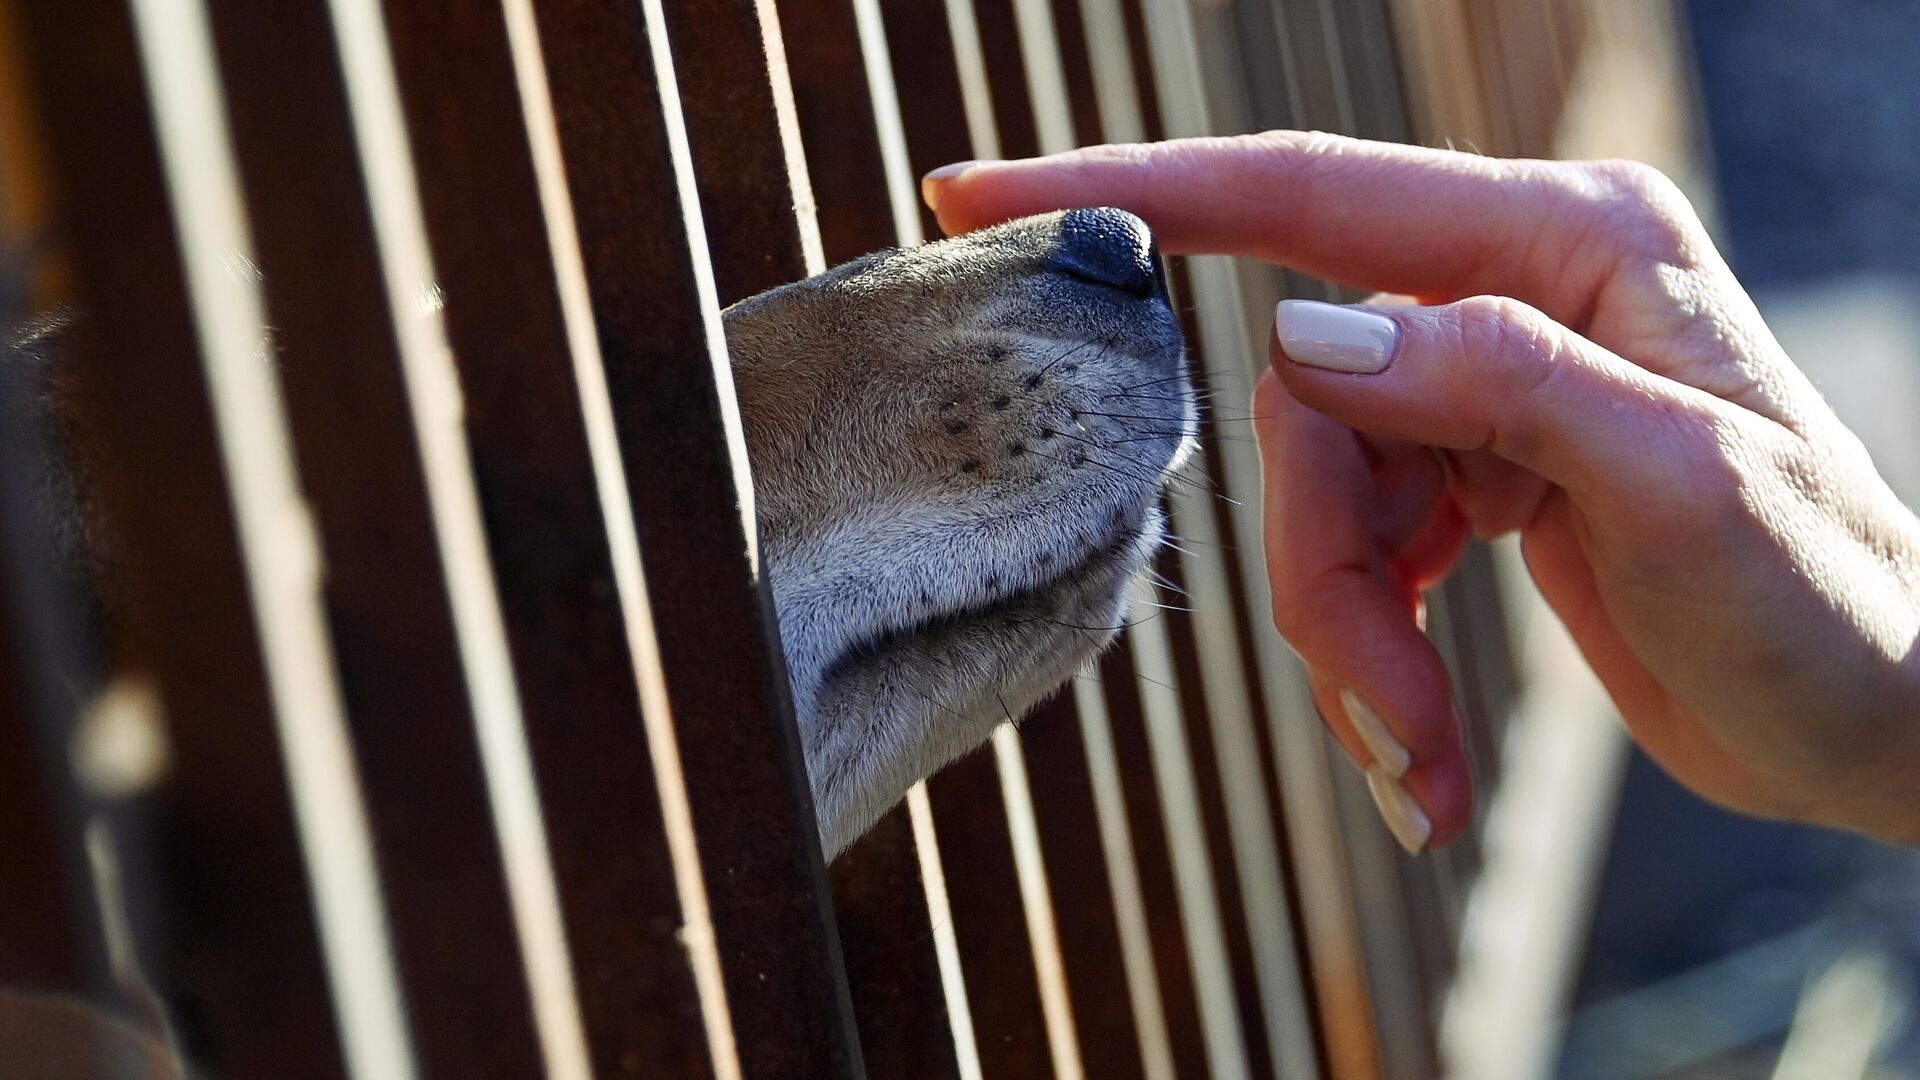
(1017, 997)
(835, 104)
(1166, 702)
(1082, 889)
(1077, 68)
(1132, 921)
(927, 77)
(1224, 625)
(749, 164)
(638, 509)
(262, 819)
(409, 591)
(881, 901)
(1375, 83)
(887, 938)
(1152, 842)
(989, 922)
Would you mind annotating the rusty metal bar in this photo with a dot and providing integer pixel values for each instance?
(1172, 958)
(887, 939)
(927, 78)
(762, 231)
(1081, 892)
(748, 165)
(995, 951)
(398, 639)
(241, 961)
(1203, 753)
(1239, 792)
(492, 102)
(835, 108)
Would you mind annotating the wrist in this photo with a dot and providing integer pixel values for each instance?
(1895, 814)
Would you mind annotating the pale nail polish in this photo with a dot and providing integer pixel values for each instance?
(1405, 820)
(1335, 337)
(1387, 752)
(932, 183)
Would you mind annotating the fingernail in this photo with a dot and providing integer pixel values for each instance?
(932, 183)
(1388, 754)
(1405, 820)
(1335, 337)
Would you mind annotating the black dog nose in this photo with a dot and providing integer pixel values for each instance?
(1109, 247)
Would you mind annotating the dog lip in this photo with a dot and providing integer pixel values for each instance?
(880, 641)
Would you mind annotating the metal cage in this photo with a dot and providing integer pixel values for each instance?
(476, 758)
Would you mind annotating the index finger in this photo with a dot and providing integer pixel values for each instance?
(1375, 215)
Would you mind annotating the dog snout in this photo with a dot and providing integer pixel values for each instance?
(1105, 246)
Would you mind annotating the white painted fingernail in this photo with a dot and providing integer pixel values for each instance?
(1387, 752)
(1405, 820)
(1335, 337)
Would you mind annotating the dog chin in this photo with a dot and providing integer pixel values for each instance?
(936, 691)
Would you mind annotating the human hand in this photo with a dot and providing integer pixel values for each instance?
(1575, 362)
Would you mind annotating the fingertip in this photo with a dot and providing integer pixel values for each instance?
(937, 190)
(1270, 403)
(1397, 719)
(1301, 383)
(1329, 702)
(1401, 676)
(1443, 788)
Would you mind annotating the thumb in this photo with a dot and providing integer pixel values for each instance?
(1493, 373)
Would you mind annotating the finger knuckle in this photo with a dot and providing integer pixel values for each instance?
(1634, 180)
(1521, 352)
(1288, 618)
(1502, 327)
(1640, 206)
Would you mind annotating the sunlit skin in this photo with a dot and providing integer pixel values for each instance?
(1575, 363)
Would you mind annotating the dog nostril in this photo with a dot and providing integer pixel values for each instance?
(1109, 247)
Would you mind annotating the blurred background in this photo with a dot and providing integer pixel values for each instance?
(1722, 947)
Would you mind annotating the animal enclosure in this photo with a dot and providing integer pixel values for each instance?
(451, 736)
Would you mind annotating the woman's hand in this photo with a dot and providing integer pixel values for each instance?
(1578, 365)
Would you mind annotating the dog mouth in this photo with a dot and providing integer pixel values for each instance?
(1108, 565)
